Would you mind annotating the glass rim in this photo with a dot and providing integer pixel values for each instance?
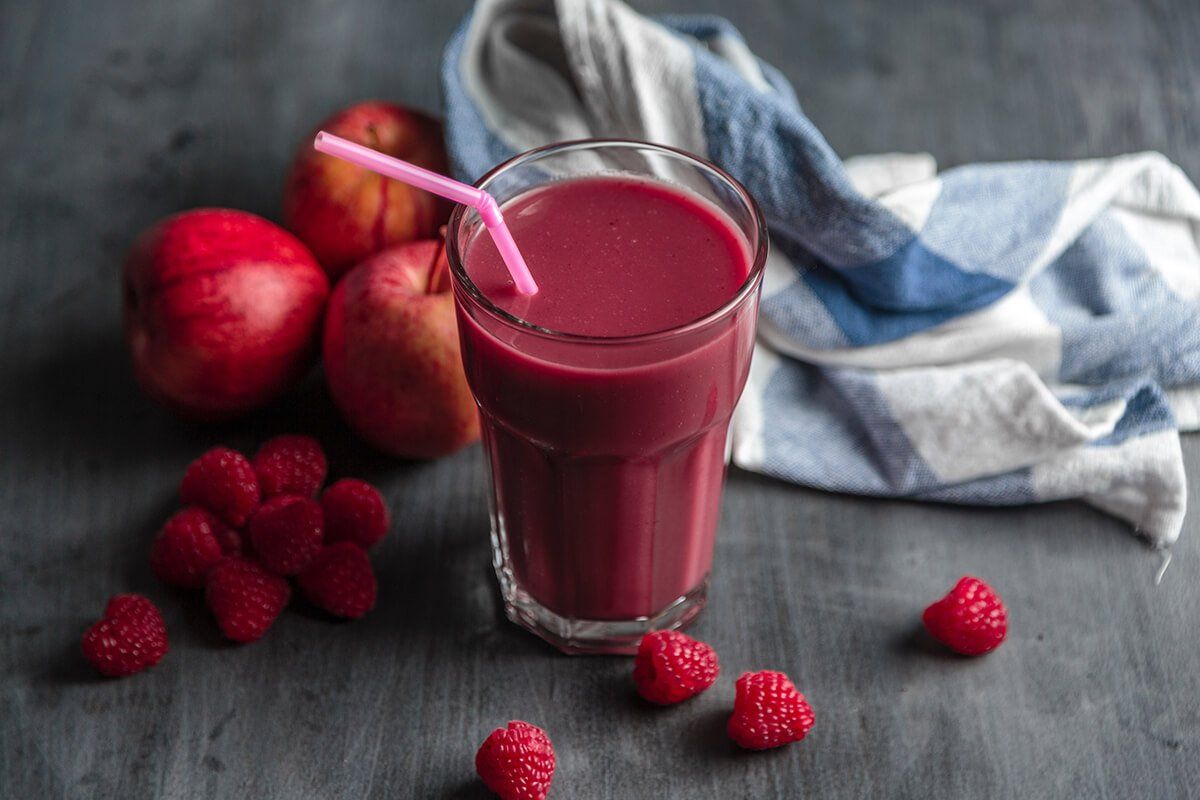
(463, 281)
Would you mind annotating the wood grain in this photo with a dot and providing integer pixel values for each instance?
(113, 115)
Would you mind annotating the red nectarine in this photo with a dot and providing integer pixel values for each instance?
(222, 311)
(391, 354)
(344, 212)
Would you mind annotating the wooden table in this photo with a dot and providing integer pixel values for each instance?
(113, 115)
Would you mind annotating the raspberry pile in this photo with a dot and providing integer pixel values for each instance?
(247, 526)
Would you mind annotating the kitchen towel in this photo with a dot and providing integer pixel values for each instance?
(993, 334)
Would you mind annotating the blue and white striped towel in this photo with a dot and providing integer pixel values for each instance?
(993, 334)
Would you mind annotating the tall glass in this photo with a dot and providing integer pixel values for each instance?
(607, 454)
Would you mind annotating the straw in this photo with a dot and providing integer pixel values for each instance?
(481, 201)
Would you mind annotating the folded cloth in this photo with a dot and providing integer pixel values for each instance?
(993, 334)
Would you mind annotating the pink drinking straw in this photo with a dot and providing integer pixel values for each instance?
(481, 201)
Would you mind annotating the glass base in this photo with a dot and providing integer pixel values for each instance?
(596, 636)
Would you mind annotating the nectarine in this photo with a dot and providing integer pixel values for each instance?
(344, 212)
(222, 311)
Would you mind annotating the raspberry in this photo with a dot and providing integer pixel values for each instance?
(186, 548)
(354, 512)
(768, 711)
(245, 598)
(223, 482)
(671, 666)
(970, 620)
(517, 762)
(290, 465)
(340, 580)
(287, 533)
(232, 541)
(128, 638)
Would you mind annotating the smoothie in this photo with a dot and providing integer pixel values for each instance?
(614, 256)
(608, 453)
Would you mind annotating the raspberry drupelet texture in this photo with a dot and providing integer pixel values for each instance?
(971, 620)
(340, 580)
(354, 512)
(671, 666)
(768, 711)
(186, 548)
(130, 637)
(245, 598)
(291, 464)
(287, 533)
(223, 482)
(517, 762)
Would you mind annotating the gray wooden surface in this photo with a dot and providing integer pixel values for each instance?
(115, 114)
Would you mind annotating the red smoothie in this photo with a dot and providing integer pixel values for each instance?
(606, 432)
(614, 256)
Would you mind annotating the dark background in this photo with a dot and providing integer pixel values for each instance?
(115, 114)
